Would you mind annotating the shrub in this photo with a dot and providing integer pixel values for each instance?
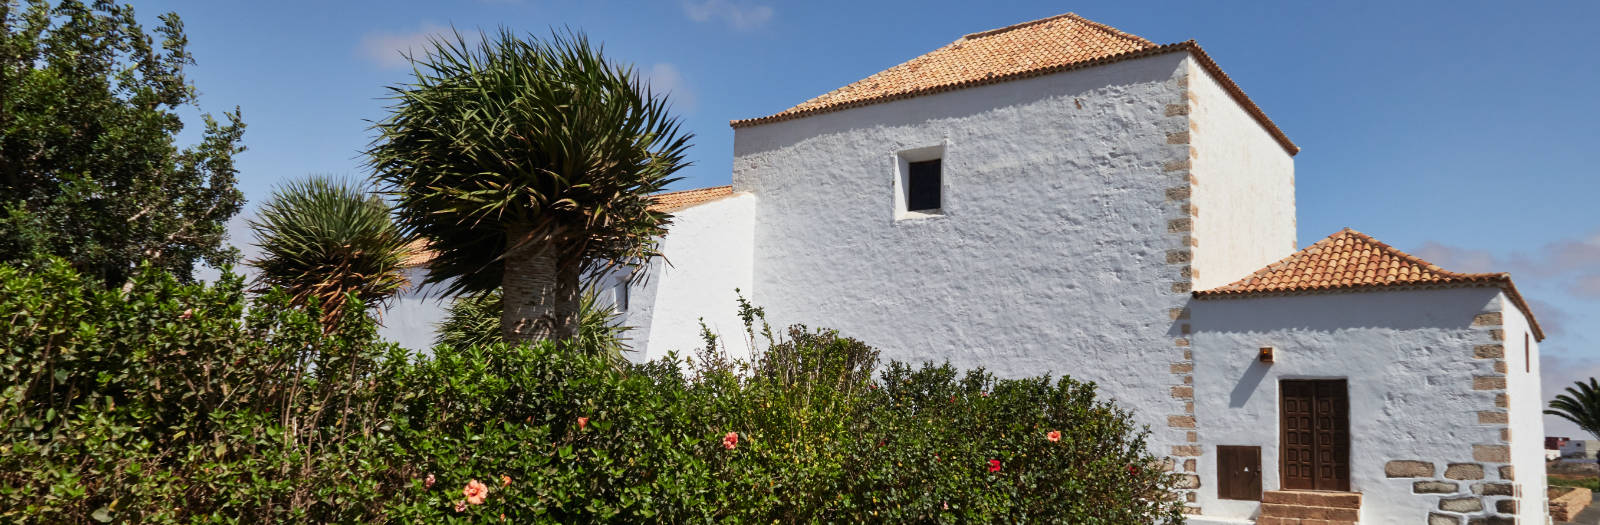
(188, 403)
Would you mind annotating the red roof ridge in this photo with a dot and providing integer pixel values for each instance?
(1350, 260)
(960, 65)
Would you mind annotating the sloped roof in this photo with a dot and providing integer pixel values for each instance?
(668, 202)
(677, 200)
(1029, 49)
(1351, 260)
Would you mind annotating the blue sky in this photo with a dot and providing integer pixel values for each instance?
(1463, 132)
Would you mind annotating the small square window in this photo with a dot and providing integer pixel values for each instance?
(922, 185)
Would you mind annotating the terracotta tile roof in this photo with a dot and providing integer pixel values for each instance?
(1351, 260)
(677, 200)
(665, 202)
(1041, 47)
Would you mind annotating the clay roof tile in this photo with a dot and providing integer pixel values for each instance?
(1350, 260)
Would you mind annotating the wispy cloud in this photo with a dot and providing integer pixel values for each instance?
(740, 15)
(665, 78)
(1575, 261)
(388, 49)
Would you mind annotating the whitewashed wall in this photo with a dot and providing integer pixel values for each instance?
(1244, 189)
(1051, 254)
(707, 256)
(1523, 387)
(1408, 357)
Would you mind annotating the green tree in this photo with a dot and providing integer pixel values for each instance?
(527, 165)
(88, 166)
(1580, 405)
(330, 240)
(474, 320)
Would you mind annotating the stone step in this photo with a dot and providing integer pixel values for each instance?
(1338, 500)
(1307, 512)
(1297, 521)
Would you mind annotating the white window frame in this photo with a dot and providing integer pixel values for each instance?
(902, 175)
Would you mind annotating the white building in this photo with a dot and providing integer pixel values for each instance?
(1060, 196)
(1580, 449)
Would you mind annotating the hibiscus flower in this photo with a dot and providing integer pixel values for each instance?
(475, 491)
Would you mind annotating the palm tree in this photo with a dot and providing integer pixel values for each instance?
(475, 320)
(331, 240)
(1580, 405)
(527, 166)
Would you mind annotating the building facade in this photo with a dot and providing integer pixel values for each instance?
(1062, 197)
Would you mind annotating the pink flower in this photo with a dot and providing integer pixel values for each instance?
(730, 441)
(985, 394)
(461, 506)
(427, 482)
(1133, 470)
(505, 481)
(1053, 435)
(583, 423)
(475, 491)
(188, 313)
(994, 465)
(946, 505)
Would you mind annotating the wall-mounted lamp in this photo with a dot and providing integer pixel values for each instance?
(1266, 354)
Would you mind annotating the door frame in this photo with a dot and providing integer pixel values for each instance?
(1339, 484)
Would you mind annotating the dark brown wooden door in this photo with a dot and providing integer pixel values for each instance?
(1315, 440)
(1239, 472)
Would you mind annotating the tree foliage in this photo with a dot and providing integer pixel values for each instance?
(331, 240)
(1580, 405)
(181, 403)
(527, 164)
(89, 170)
(475, 321)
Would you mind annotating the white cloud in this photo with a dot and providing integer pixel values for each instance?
(387, 49)
(740, 15)
(665, 78)
(1574, 260)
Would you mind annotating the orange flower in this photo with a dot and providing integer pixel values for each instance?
(1053, 435)
(583, 422)
(730, 441)
(475, 491)
(505, 481)
(461, 506)
(427, 482)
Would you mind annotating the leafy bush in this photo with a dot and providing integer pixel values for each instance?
(187, 403)
(475, 320)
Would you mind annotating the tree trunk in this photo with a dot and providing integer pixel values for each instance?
(540, 294)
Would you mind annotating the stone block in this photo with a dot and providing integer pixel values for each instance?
(1492, 489)
(1435, 518)
(1464, 471)
(1489, 383)
(1408, 469)
(1493, 417)
(1489, 351)
(1487, 319)
(1491, 453)
(1180, 421)
(1435, 487)
(1461, 504)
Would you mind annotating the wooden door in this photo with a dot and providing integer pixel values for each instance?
(1239, 472)
(1315, 439)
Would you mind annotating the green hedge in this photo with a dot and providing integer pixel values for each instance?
(187, 403)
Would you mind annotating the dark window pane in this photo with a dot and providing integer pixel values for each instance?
(922, 186)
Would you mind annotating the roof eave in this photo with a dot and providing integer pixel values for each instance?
(1190, 46)
(1501, 281)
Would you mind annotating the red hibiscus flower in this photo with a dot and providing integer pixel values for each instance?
(583, 423)
(994, 465)
(730, 441)
(1053, 435)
